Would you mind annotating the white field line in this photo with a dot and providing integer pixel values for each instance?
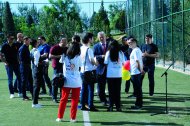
(86, 118)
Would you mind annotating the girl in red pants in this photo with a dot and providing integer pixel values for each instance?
(71, 64)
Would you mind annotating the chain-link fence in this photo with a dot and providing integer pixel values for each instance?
(168, 22)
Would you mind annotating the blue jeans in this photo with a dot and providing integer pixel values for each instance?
(136, 80)
(150, 70)
(26, 78)
(46, 79)
(10, 69)
(87, 93)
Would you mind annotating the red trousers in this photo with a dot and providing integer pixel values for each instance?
(74, 101)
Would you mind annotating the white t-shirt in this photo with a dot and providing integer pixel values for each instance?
(114, 69)
(71, 71)
(36, 57)
(88, 66)
(136, 54)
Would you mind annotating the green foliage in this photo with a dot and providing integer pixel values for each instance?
(8, 20)
(1, 24)
(62, 17)
(117, 17)
(29, 21)
(99, 21)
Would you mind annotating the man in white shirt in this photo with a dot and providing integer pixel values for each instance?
(136, 66)
(88, 62)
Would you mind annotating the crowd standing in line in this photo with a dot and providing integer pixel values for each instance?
(78, 63)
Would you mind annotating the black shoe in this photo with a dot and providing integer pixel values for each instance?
(118, 109)
(136, 107)
(151, 94)
(110, 109)
(26, 98)
(55, 101)
(104, 103)
(84, 108)
(42, 92)
(15, 91)
(131, 96)
(93, 109)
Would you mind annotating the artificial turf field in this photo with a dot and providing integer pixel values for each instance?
(16, 112)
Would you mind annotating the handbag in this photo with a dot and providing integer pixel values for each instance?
(58, 80)
(89, 76)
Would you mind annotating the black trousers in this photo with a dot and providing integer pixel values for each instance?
(54, 85)
(150, 70)
(114, 88)
(136, 80)
(38, 80)
(101, 79)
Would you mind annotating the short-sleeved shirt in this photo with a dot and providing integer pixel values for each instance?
(114, 69)
(71, 71)
(24, 54)
(10, 52)
(126, 51)
(45, 48)
(57, 50)
(90, 55)
(151, 49)
(18, 44)
(136, 54)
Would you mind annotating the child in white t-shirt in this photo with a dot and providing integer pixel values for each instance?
(71, 65)
(136, 67)
(114, 59)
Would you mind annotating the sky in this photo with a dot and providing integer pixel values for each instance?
(86, 5)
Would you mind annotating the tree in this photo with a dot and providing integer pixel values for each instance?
(94, 23)
(61, 17)
(1, 16)
(8, 20)
(103, 21)
(29, 21)
(117, 16)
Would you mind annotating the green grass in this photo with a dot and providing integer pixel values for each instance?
(15, 112)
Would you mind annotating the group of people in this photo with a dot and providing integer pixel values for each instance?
(78, 63)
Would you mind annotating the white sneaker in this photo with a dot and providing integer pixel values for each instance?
(36, 105)
(59, 120)
(20, 95)
(12, 96)
(73, 120)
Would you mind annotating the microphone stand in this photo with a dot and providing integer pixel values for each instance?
(166, 83)
(166, 93)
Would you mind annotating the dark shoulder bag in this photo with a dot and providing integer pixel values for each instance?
(89, 76)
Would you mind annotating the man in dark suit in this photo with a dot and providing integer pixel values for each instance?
(100, 49)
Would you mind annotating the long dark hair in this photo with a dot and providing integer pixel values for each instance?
(114, 49)
(73, 50)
